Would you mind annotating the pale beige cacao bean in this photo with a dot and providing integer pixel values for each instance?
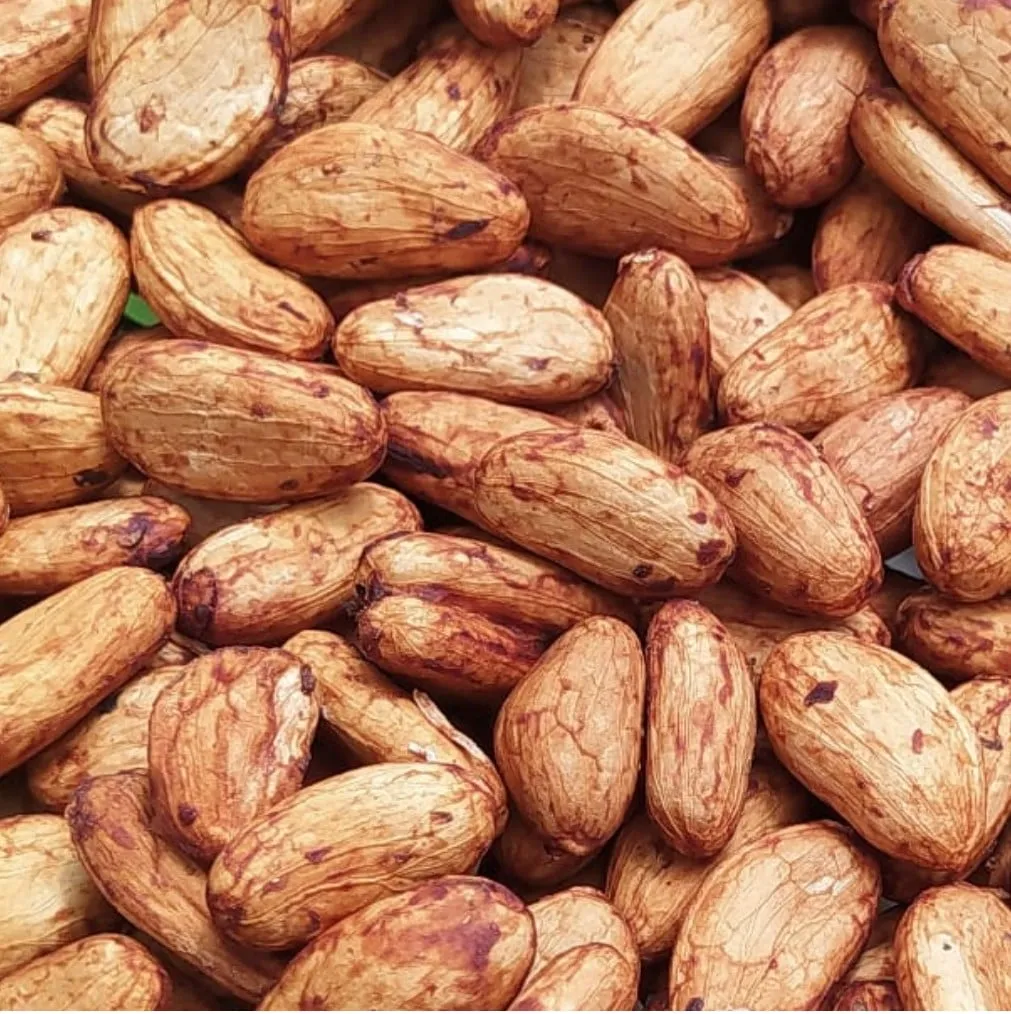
(657, 314)
(700, 728)
(567, 739)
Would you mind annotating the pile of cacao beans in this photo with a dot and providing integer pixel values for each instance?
(549, 547)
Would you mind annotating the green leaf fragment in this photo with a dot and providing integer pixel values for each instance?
(138, 312)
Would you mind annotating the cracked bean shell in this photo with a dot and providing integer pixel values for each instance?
(506, 23)
(199, 277)
(82, 263)
(257, 704)
(47, 552)
(749, 936)
(740, 310)
(878, 739)
(322, 89)
(959, 527)
(602, 183)
(590, 977)
(157, 888)
(795, 117)
(41, 42)
(53, 447)
(880, 450)
(501, 583)
(568, 738)
(455, 90)
(448, 650)
(962, 294)
(344, 843)
(49, 899)
(454, 943)
(437, 440)
(255, 429)
(230, 590)
(192, 96)
(502, 336)
(700, 728)
(376, 721)
(918, 163)
(361, 201)
(949, 950)
(707, 50)
(111, 739)
(103, 972)
(605, 508)
(840, 350)
(30, 176)
(951, 58)
(866, 234)
(770, 480)
(60, 657)
(955, 640)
